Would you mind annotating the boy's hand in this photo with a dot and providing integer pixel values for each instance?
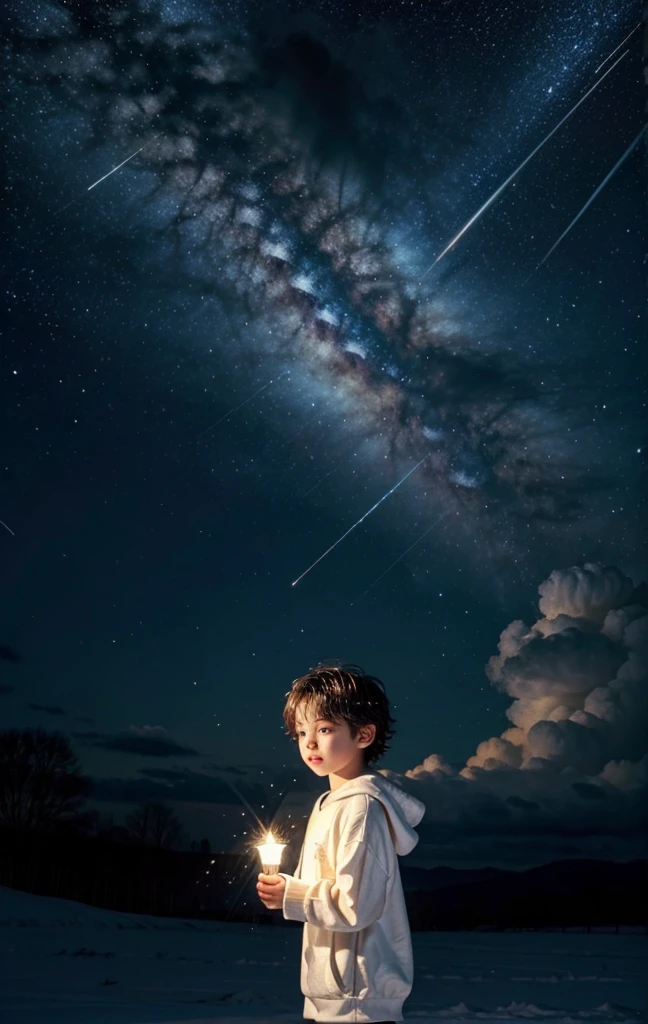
(271, 890)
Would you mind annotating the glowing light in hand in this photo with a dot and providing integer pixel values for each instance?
(270, 853)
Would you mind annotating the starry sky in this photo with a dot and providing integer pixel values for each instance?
(239, 347)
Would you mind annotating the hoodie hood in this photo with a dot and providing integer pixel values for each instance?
(403, 811)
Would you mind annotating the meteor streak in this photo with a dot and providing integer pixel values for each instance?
(240, 406)
(401, 557)
(320, 481)
(361, 520)
(122, 163)
(604, 62)
(7, 528)
(591, 199)
(517, 170)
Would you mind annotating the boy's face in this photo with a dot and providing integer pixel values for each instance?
(327, 746)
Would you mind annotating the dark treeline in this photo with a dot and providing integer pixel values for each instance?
(127, 876)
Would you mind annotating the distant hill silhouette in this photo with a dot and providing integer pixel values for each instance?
(429, 879)
(565, 893)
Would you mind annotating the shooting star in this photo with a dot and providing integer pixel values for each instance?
(7, 528)
(591, 199)
(401, 557)
(361, 520)
(320, 481)
(239, 406)
(609, 57)
(498, 191)
(123, 162)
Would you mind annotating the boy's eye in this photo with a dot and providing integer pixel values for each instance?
(325, 728)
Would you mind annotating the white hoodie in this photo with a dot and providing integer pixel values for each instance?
(357, 951)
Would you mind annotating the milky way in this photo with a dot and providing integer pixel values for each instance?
(287, 190)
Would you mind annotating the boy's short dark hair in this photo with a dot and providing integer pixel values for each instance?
(345, 694)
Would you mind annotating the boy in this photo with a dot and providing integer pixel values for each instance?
(357, 951)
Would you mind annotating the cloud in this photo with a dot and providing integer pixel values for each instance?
(148, 740)
(129, 790)
(47, 709)
(8, 653)
(587, 593)
(4, 689)
(186, 786)
(578, 676)
(574, 761)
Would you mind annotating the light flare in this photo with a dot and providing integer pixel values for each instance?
(271, 852)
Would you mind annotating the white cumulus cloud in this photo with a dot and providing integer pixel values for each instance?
(573, 761)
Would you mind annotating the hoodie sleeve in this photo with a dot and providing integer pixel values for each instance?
(356, 897)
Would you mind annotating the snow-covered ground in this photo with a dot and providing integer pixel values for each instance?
(67, 963)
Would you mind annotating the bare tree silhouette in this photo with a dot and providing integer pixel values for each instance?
(41, 785)
(155, 824)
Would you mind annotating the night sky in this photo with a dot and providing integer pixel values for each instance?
(218, 359)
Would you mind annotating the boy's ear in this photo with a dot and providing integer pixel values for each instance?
(366, 735)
